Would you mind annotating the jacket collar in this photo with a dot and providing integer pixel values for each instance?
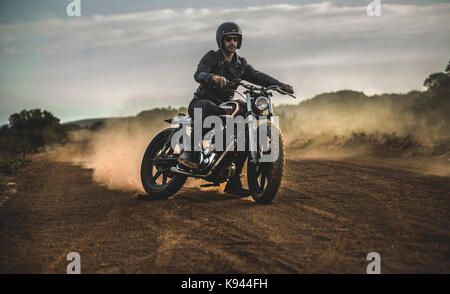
(235, 60)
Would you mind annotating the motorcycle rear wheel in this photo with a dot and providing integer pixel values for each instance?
(156, 180)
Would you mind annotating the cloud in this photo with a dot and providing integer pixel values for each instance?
(176, 26)
(108, 64)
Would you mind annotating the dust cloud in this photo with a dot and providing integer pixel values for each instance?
(114, 152)
(349, 123)
(344, 125)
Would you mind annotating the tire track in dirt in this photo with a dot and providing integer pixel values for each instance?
(327, 216)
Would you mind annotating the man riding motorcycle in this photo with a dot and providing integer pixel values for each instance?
(213, 71)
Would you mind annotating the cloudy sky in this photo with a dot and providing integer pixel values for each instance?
(121, 57)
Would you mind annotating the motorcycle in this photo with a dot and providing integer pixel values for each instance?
(162, 175)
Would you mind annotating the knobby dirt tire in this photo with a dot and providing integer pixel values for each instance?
(268, 193)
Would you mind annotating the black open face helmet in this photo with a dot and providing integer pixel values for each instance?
(228, 28)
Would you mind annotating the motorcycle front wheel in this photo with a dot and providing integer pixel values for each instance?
(264, 178)
(156, 178)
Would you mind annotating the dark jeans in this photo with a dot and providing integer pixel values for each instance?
(210, 108)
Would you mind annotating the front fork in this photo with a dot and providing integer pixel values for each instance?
(252, 133)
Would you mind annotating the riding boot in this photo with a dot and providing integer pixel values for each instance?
(234, 186)
(189, 159)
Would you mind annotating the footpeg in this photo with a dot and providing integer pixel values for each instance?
(209, 185)
(179, 169)
(182, 168)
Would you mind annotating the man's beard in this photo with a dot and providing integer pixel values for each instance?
(229, 52)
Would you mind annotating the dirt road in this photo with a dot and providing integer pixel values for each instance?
(328, 215)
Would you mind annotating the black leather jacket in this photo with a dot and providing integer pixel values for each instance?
(214, 63)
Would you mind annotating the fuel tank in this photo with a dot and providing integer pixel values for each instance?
(234, 107)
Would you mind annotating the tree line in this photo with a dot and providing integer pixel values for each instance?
(28, 132)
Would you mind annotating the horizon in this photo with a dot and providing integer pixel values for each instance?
(295, 103)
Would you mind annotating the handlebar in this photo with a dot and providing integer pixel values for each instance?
(277, 88)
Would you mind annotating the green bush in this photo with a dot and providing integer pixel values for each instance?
(8, 166)
(28, 132)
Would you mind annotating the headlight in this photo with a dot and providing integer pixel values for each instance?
(262, 103)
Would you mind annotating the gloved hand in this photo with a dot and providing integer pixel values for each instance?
(287, 88)
(219, 80)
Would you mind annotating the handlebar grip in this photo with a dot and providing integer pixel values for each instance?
(285, 93)
(228, 84)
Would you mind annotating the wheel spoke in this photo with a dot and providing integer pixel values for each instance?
(263, 181)
(158, 173)
(263, 174)
(268, 171)
(164, 179)
(258, 171)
